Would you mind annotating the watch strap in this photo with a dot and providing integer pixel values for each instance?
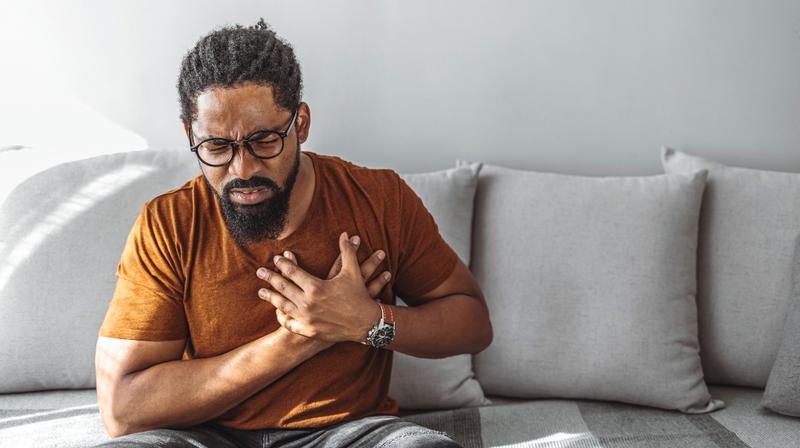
(386, 314)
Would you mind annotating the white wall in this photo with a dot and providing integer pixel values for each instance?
(585, 87)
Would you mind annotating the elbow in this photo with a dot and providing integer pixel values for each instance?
(112, 406)
(114, 427)
(484, 339)
(117, 427)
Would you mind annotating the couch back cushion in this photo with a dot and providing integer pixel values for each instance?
(63, 233)
(590, 283)
(748, 223)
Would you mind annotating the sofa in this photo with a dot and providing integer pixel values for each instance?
(628, 311)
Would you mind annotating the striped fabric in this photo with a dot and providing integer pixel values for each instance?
(71, 419)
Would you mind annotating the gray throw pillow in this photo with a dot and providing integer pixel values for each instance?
(590, 283)
(782, 393)
(748, 222)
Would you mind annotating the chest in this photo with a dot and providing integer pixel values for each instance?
(222, 306)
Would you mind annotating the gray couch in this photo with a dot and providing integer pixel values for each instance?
(621, 312)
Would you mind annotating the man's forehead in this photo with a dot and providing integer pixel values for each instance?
(226, 109)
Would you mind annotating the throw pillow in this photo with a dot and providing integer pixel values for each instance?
(590, 283)
(748, 222)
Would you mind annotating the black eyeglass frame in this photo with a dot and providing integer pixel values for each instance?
(244, 142)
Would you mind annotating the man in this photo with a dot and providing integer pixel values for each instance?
(249, 308)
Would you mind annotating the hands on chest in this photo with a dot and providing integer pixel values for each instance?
(341, 307)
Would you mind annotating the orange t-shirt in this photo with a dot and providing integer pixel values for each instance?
(182, 275)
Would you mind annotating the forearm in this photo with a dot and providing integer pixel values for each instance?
(183, 393)
(444, 327)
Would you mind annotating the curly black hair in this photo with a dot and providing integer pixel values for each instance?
(233, 55)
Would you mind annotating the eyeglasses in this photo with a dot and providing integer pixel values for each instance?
(217, 151)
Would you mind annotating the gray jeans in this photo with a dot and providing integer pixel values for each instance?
(371, 432)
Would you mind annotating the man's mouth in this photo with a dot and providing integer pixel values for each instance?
(249, 195)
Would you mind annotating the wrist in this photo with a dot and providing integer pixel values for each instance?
(383, 332)
(298, 341)
(372, 316)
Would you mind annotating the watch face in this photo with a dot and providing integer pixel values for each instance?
(382, 336)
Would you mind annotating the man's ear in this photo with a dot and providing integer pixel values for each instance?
(303, 121)
(186, 128)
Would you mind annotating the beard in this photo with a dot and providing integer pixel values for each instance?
(265, 220)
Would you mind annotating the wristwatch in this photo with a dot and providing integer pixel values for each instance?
(382, 334)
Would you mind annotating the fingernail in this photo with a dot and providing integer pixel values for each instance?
(276, 258)
(287, 254)
(356, 240)
(387, 275)
(261, 272)
(381, 255)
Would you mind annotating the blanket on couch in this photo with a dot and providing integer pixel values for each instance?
(71, 419)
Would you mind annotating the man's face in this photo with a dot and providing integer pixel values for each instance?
(253, 193)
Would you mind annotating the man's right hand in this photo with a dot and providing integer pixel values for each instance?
(368, 268)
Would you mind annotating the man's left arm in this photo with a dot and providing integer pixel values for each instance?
(449, 320)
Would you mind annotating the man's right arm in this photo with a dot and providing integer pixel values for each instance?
(143, 385)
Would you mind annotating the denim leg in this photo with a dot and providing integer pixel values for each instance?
(371, 432)
(199, 436)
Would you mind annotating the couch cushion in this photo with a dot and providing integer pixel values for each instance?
(590, 283)
(782, 393)
(748, 223)
(64, 230)
(67, 419)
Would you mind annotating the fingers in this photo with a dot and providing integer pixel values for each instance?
(348, 250)
(369, 265)
(337, 265)
(291, 257)
(277, 300)
(295, 273)
(286, 321)
(375, 287)
(280, 283)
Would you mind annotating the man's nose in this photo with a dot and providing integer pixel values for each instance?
(244, 165)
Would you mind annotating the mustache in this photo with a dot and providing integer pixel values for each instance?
(253, 182)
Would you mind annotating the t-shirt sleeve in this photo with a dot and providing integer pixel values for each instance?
(426, 260)
(148, 299)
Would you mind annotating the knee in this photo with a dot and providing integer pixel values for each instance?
(424, 439)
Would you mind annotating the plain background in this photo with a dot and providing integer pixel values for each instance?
(582, 87)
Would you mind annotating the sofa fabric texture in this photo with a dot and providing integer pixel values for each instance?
(590, 282)
(748, 223)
